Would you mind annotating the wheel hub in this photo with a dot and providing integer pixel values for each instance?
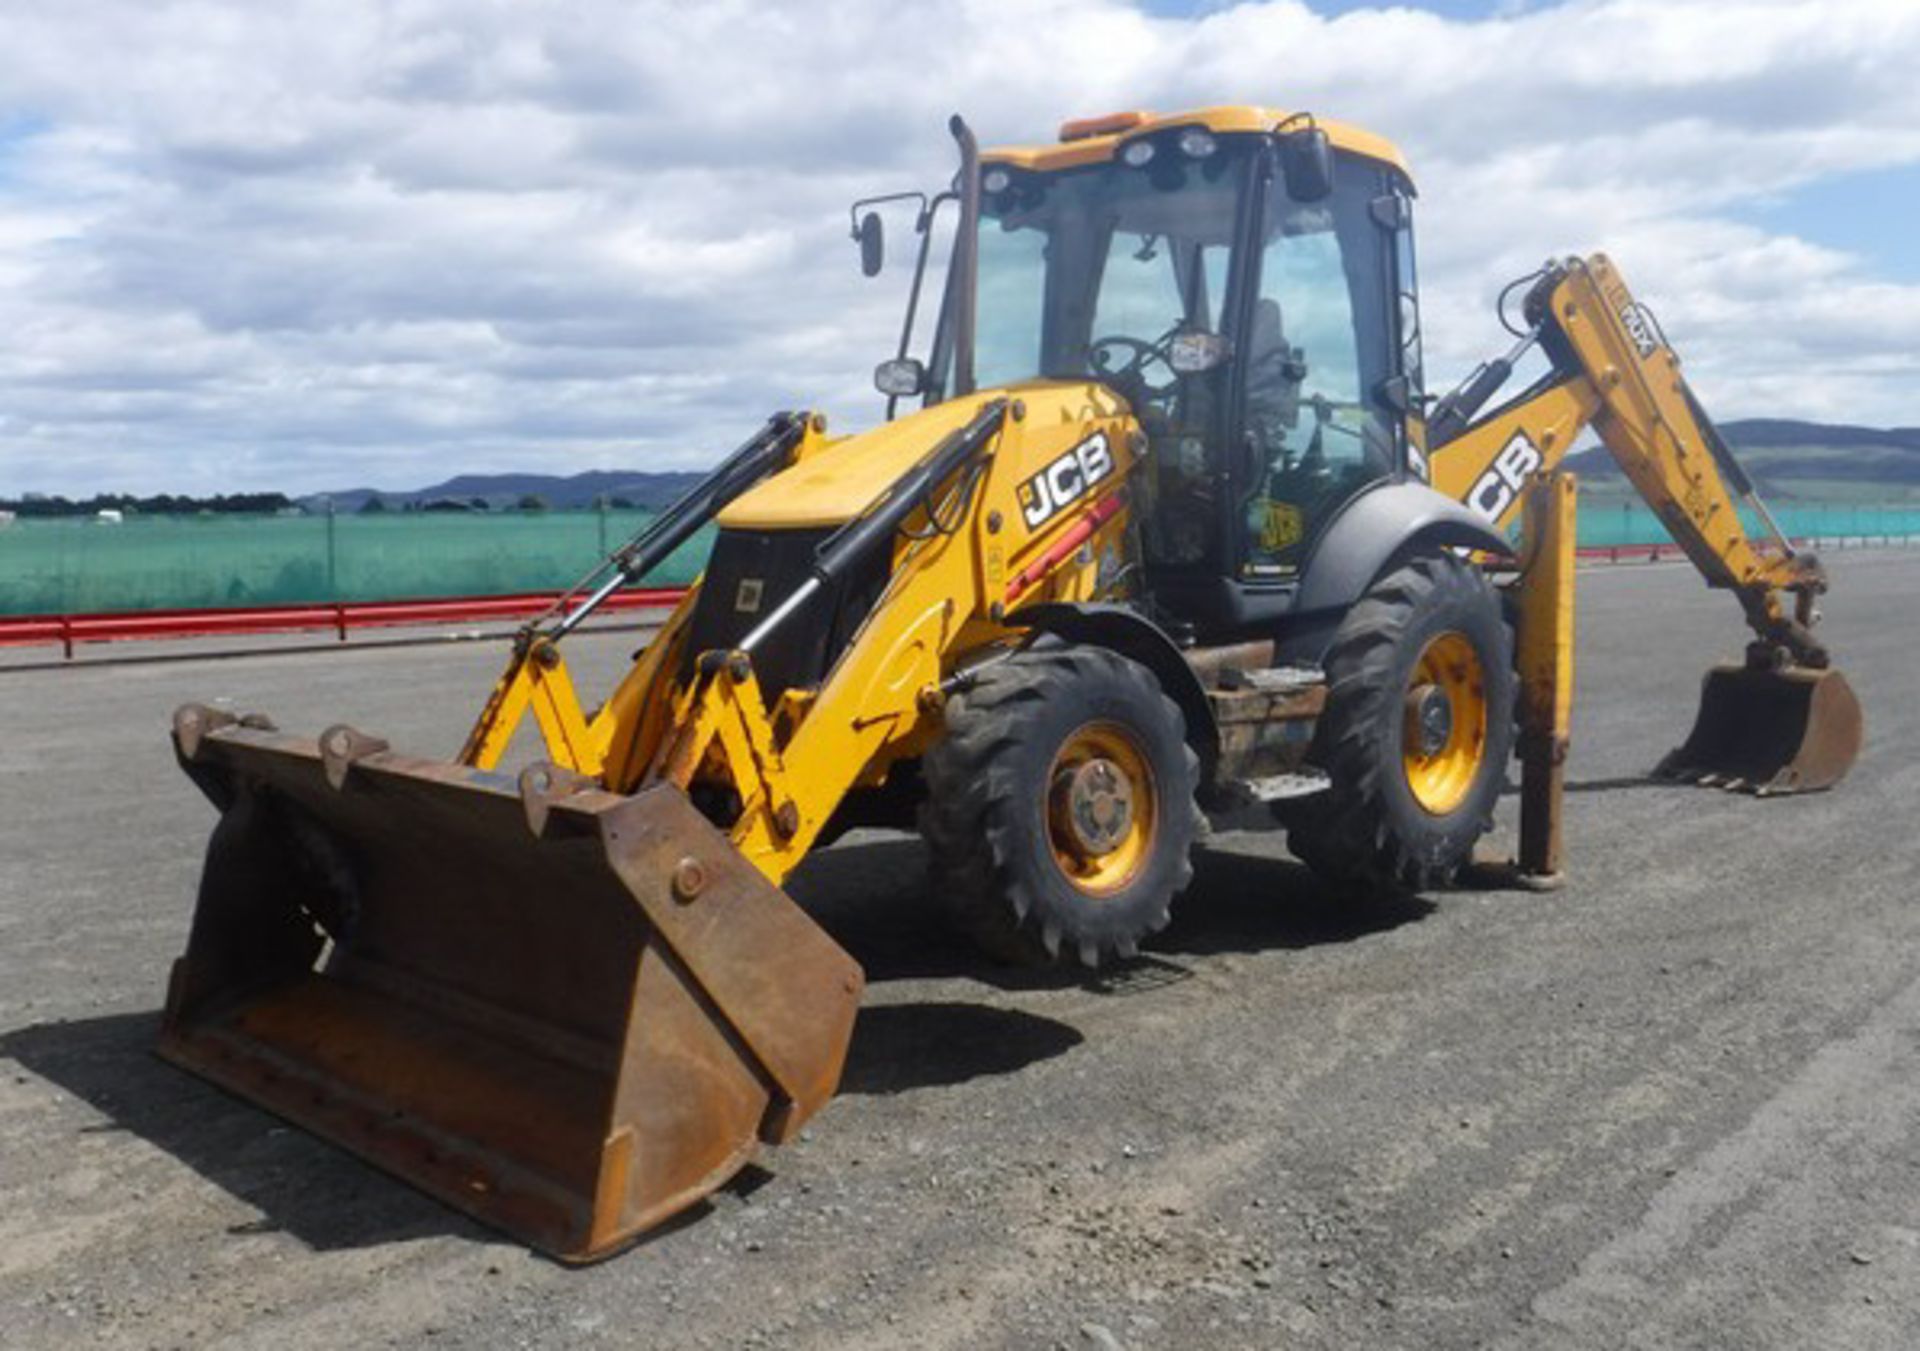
(1446, 719)
(1093, 805)
(1429, 719)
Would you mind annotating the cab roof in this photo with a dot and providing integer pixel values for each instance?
(1092, 140)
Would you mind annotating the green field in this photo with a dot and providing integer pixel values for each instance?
(157, 562)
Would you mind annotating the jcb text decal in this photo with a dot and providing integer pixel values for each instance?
(1639, 328)
(1066, 480)
(1492, 493)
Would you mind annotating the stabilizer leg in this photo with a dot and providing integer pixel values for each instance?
(1545, 655)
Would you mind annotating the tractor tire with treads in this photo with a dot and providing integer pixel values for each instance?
(1416, 733)
(1060, 809)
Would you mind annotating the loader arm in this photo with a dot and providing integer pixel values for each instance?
(792, 759)
(536, 678)
(1614, 371)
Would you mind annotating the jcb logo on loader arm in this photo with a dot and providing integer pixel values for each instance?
(1493, 492)
(1066, 480)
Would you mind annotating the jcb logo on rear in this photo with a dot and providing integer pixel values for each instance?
(1493, 492)
(1066, 480)
(1639, 329)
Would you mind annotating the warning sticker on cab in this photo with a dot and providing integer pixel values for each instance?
(1281, 525)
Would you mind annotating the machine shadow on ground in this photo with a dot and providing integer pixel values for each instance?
(327, 1199)
(874, 896)
(318, 1194)
(900, 1047)
(870, 894)
(1618, 783)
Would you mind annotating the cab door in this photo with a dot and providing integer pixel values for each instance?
(1322, 385)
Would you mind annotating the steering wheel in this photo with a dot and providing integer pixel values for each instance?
(1138, 356)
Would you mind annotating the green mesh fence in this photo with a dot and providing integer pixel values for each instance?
(1603, 524)
(78, 566)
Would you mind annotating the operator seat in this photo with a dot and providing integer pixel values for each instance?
(1274, 372)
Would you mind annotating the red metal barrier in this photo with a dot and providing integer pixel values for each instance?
(1615, 553)
(1654, 553)
(67, 630)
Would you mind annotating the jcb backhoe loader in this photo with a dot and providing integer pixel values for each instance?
(1171, 533)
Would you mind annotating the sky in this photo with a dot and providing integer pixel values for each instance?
(332, 243)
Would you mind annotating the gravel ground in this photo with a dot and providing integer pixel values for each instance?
(1675, 1104)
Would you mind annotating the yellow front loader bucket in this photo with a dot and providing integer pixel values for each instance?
(1760, 731)
(566, 1012)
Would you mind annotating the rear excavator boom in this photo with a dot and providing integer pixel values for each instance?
(1781, 720)
(1142, 555)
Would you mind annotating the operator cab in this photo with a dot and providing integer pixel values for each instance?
(1244, 281)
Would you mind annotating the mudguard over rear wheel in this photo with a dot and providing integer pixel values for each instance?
(1060, 807)
(1416, 733)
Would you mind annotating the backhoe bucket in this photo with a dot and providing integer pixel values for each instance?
(566, 1012)
(1791, 731)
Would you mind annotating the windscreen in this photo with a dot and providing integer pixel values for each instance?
(1112, 257)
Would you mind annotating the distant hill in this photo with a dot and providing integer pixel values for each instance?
(1790, 459)
(1811, 460)
(633, 487)
(1765, 432)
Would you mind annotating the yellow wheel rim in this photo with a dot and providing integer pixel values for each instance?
(1445, 737)
(1101, 808)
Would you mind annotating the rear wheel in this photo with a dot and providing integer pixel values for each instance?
(1060, 806)
(1416, 733)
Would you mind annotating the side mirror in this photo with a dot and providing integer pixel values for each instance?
(900, 377)
(873, 244)
(1306, 158)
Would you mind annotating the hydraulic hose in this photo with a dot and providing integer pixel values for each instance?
(764, 452)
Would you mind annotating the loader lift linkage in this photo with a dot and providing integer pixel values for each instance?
(1171, 540)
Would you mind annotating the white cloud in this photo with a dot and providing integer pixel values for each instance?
(313, 244)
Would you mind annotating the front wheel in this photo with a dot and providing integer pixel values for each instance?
(1416, 732)
(1060, 806)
